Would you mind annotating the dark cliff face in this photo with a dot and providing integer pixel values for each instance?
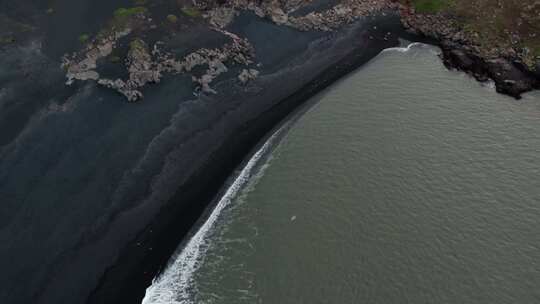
(510, 78)
(490, 40)
(537, 70)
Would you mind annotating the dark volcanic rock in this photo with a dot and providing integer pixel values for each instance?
(537, 69)
(461, 59)
(503, 66)
(509, 79)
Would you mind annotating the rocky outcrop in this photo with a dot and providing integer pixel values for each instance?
(141, 68)
(238, 51)
(510, 78)
(144, 66)
(221, 16)
(345, 12)
(281, 12)
(505, 66)
(82, 66)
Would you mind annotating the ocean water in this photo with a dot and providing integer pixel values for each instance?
(402, 183)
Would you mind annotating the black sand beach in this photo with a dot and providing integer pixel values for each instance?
(336, 56)
(97, 192)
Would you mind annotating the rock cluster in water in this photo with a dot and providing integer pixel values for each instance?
(83, 66)
(281, 12)
(147, 65)
(141, 68)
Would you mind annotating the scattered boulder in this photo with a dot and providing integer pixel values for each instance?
(247, 75)
(221, 16)
(508, 78)
(172, 18)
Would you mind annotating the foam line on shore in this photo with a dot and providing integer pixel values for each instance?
(175, 284)
(405, 49)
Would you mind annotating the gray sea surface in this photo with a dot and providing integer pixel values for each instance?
(403, 183)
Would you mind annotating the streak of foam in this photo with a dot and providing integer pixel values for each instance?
(407, 48)
(175, 285)
(489, 84)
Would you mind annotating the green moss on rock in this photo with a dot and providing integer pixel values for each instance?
(84, 38)
(128, 12)
(191, 11)
(172, 18)
(137, 44)
(7, 40)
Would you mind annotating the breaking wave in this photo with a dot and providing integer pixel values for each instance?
(405, 49)
(175, 285)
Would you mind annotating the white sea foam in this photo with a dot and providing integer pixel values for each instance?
(175, 284)
(405, 49)
(490, 84)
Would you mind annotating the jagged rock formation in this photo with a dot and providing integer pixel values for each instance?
(82, 66)
(141, 68)
(345, 12)
(512, 71)
(280, 12)
(146, 67)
